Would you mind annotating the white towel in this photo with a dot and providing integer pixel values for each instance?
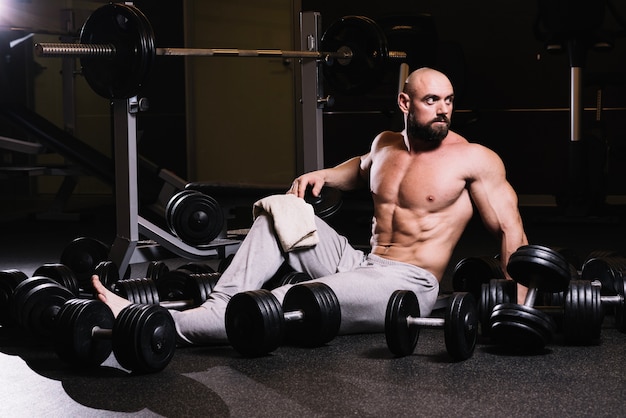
(294, 220)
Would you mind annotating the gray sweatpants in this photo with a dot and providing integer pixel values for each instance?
(362, 283)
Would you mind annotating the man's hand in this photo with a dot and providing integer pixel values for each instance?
(300, 184)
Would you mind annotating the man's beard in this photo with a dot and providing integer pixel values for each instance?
(427, 132)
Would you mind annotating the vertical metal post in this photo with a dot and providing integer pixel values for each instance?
(311, 151)
(126, 196)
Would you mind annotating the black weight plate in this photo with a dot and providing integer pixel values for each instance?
(171, 286)
(471, 272)
(484, 310)
(156, 270)
(198, 287)
(21, 293)
(82, 255)
(123, 336)
(145, 340)
(461, 326)
(497, 291)
(401, 338)
(546, 254)
(601, 269)
(369, 49)
(582, 313)
(194, 217)
(535, 268)
(9, 280)
(39, 307)
(108, 273)
(254, 323)
(327, 203)
(75, 322)
(521, 327)
(321, 314)
(127, 28)
(61, 274)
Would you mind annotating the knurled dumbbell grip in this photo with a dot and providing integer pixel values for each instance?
(425, 322)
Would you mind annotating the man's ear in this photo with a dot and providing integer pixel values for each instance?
(403, 102)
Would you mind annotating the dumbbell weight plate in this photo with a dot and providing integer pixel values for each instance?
(321, 314)
(194, 217)
(61, 274)
(327, 203)
(9, 279)
(461, 326)
(471, 272)
(532, 262)
(138, 290)
(156, 270)
(82, 255)
(73, 339)
(520, 326)
(582, 313)
(401, 338)
(36, 302)
(144, 338)
(198, 287)
(254, 323)
(495, 292)
(108, 273)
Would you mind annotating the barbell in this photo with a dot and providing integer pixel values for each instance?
(117, 50)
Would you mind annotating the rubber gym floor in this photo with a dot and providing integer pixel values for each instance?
(353, 375)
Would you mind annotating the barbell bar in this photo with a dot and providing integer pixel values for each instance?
(117, 50)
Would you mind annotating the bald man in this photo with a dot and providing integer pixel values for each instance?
(423, 182)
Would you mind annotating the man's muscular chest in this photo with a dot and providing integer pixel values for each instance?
(417, 182)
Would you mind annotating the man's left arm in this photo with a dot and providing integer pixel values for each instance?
(497, 205)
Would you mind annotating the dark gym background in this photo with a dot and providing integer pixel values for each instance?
(512, 96)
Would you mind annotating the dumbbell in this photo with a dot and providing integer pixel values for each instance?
(84, 331)
(523, 326)
(142, 337)
(172, 285)
(403, 324)
(256, 323)
(616, 301)
(471, 273)
(577, 311)
(197, 289)
(606, 267)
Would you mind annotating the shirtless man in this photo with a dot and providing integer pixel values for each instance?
(423, 181)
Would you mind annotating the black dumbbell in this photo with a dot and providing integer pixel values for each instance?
(471, 273)
(606, 267)
(256, 323)
(142, 337)
(610, 303)
(9, 279)
(197, 289)
(172, 285)
(403, 324)
(523, 326)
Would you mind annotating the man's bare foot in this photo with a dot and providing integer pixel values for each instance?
(113, 301)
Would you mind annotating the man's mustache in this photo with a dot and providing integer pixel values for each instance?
(442, 118)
